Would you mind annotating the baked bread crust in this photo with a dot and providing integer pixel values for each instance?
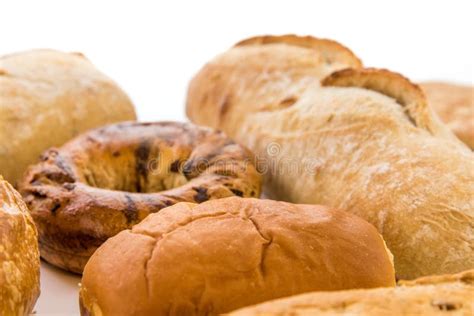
(111, 178)
(19, 255)
(365, 142)
(269, 61)
(454, 103)
(332, 51)
(223, 254)
(408, 95)
(48, 97)
(435, 295)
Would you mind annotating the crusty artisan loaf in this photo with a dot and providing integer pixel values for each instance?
(19, 255)
(454, 103)
(46, 98)
(436, 295)
(214, 257)
(366, 142)
(280, 67)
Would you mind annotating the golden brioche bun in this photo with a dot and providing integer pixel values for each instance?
(213, 257)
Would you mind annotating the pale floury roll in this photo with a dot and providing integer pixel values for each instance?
(48, 97)
(365, 142)
(436, 295)
(454, 103)
(19, 255)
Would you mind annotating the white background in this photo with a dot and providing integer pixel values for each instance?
(152, 48)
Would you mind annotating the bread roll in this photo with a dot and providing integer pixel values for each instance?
(213, 257)
(19, 255)
(438, 295)
(48, 97)
(366, 142)
(454, 104)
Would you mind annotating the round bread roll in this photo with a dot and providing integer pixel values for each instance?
(435, 295)
(110, 178)
(454, 104)
(19, 255)
(48, 97)
(214, 257)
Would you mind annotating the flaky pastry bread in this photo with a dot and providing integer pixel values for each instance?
(435, 295)
(220, 255)
(19, 255)
(111, 178)
(454, 103)
(361, 140)
(48, 97)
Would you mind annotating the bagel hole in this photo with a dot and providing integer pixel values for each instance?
(145, 168)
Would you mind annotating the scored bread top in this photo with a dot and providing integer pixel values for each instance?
(331, 50)
(398, 87)
(279, 67)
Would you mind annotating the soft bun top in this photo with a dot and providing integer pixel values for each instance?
(228, 253)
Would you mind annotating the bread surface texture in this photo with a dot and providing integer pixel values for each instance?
(112, 177)
(214, 257)
(454, 103)
(436, 295)
(46, 98)
(278, 67)
(361, 140)
(19, 255)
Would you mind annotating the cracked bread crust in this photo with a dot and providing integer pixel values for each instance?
(223, 254)
(48, 97)
(19, 255)
(454, 104)
(433, 295)
(111, 178)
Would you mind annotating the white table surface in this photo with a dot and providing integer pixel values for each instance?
(59, 292)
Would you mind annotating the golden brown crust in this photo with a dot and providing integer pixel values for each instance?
(19, 255)
(368, 145)
(454, 103)
(438, 295)
(396, 86)
(332, 50)
(48, 97)
(111, 178)
(301, 60)
(223, 254)
(384, 81)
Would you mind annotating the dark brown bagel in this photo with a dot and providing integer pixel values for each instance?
(111, 178)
